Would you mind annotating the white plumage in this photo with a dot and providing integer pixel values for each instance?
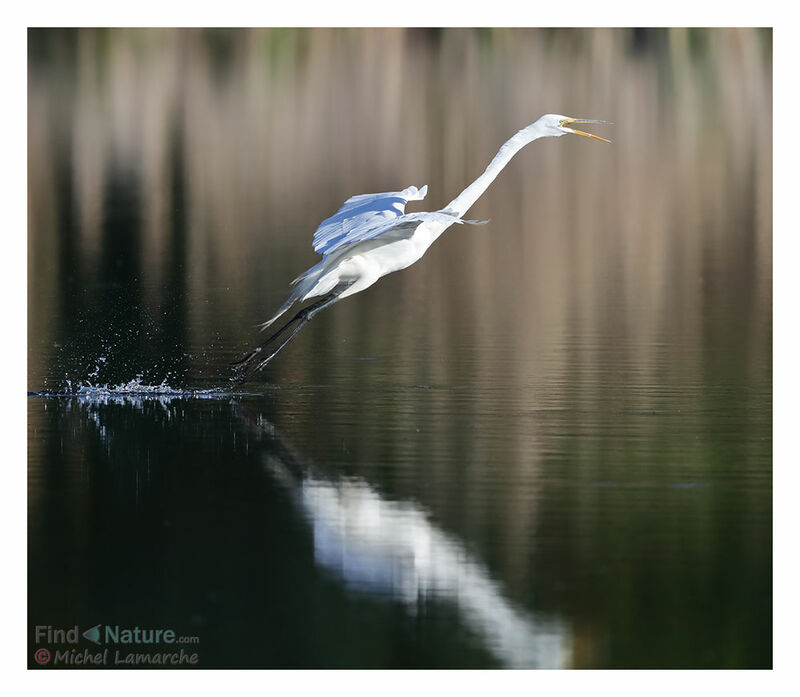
(363, 217)
(368, 237)
(371, 235)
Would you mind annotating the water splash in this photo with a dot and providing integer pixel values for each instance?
(133, 392)
(96, 372)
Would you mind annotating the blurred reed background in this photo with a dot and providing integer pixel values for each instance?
(233, 145)
(176, 178)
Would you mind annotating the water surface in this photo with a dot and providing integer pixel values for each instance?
(547, 444)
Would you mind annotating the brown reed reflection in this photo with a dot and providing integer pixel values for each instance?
(268, 131)
(237, 143)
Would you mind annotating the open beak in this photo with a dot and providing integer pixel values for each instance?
(564, 123)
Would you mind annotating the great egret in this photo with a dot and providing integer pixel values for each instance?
(371, 235)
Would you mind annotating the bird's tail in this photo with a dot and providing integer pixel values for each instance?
(303, 284)
(281, 310)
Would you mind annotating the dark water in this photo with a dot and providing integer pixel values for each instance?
(546, 445)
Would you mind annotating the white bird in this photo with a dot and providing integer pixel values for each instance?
(371, 235)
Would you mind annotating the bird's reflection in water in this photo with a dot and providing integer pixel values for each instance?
(376, 545)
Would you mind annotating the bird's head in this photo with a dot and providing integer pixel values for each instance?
(556, 125)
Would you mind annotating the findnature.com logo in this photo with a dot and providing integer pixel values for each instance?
(123, 646)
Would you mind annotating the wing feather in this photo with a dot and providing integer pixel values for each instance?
(363, 217)
(362, 223)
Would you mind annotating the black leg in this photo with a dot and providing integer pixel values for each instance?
(266, 350)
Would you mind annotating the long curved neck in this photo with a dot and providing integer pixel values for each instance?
(464, 201)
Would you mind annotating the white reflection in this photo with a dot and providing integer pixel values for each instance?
(389, 547)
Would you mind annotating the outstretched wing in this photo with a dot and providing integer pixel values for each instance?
(391, 230)
(357, 225)
(363, 217)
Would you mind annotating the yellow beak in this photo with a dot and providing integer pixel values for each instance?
(564, 122)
